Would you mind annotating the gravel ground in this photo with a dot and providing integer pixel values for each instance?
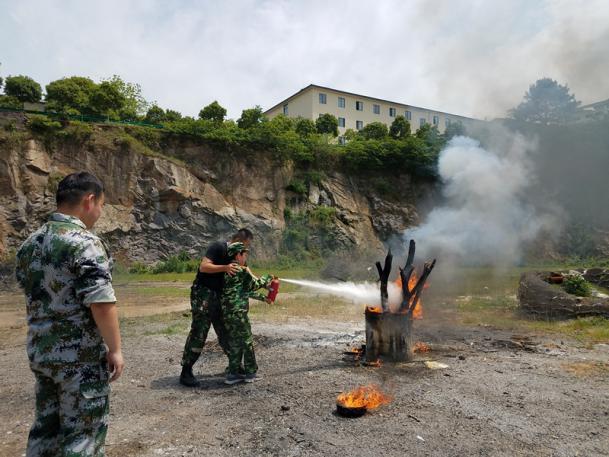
(501, 395)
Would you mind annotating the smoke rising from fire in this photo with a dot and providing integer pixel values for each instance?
(486, 217)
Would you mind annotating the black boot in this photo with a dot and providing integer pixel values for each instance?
(187, 378)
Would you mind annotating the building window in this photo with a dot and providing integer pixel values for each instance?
(341, 102)
(446, 121)
(359, 106)
(342, 140)
(408, 115)
(436, 120)
(359, 125)
(285, 109)
(422, 122)
(376, 109)
(391, 112)
(341, 121)
(322, 99)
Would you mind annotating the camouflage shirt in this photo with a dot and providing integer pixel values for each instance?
(239, 288)
(63, 268)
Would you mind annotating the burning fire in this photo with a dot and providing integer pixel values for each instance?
(419, 346)
(369, 397)
(378, 363)
(374, 309)
(417, 313)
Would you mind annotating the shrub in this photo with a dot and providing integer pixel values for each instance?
(139, 268)
(181, 263)
(322, 215)
(79, 131)
(43, 124)
(7, 101)
(577, 285)
(297, 186)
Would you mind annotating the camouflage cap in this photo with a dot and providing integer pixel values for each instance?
(236, 248)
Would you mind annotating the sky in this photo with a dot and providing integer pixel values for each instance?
(469, 57)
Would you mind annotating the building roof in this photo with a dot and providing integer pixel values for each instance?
(311, 86)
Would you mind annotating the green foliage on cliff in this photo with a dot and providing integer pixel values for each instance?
(23, 88)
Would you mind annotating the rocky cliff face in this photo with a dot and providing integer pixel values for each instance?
(157, 206)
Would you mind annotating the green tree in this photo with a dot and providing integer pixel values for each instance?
(454, 129)
(172, 115)
(213, 112)
(305, 127)
(155, 115)
(70, 95)
(107, 100)
(423, 131)
(23, 88)
(327, 123)
(374, 131)
(250, 117)
(546, 102)
(350, 134)
(282, 123)
(400, 127)
(135, 103)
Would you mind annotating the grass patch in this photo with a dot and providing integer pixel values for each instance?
(308, 307)
(164, 291)
(123, 278)
(502, 312)
(177, 328)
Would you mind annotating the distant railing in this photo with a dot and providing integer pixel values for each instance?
(81, 117)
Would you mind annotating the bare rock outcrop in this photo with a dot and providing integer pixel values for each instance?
(158, 205)
(543, 300)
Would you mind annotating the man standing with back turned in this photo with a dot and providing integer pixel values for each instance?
(65, 272)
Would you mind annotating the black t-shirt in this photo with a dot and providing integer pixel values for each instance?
(218, 254)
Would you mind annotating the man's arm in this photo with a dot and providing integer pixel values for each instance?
(207, 266)
(106, 318)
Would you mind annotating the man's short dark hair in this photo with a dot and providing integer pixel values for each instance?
(75, 186)
(243, 235)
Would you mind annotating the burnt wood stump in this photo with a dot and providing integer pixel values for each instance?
(389, 333)
(388, 336)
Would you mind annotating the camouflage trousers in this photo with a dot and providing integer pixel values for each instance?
(71, 410)
(241, 348)
(206, 311)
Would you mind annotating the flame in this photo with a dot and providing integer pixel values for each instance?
(374, 309)
(378, 363)
(419, 346)
(417, 313)
(369, 397)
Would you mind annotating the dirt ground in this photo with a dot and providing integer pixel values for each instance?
(501, 395)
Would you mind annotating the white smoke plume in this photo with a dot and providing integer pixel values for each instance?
(486, 216)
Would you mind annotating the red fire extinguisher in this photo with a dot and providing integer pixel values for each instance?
(273, 290)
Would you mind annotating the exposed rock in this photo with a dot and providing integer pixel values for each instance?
(156, 207)
(549, 301)
(389, 218)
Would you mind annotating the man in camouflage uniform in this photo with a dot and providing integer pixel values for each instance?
(238, 289)
(205, 303)
(65, 272)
